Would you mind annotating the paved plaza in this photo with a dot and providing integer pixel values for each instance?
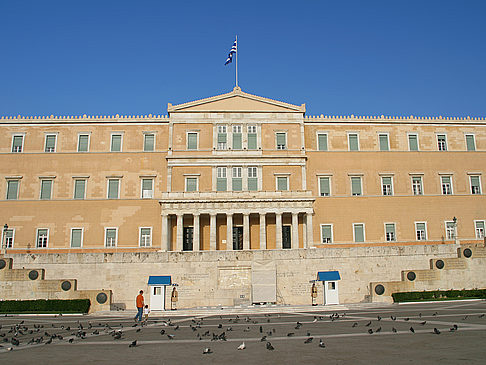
(428, 333)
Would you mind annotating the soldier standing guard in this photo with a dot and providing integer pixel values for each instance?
(173, 299)
(314, 293)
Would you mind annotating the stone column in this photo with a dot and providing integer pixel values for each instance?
(309, 236)
(212, 231)
(246, 231)
(164, 242)
(278, 231)
(263, 232)
(229, 231)
(295, 230)
(180, 225)
(196, 243)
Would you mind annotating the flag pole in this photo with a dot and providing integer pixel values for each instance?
(236, 54)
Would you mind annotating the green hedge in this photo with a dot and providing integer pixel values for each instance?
(45, 306)
(439, 295)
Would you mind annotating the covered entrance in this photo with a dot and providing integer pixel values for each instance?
(331, 289)
(157, 285)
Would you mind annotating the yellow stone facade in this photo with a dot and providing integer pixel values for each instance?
(273, 160)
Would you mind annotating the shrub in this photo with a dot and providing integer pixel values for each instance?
(45, 306)
(439, 295)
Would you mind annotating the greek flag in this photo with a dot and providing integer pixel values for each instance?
(231, 53)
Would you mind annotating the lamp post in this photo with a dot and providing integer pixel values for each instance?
(4, 237)
(455, 230)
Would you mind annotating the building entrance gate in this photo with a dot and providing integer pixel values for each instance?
(237, 238)
(188, 239)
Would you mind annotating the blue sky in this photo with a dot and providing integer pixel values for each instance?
(394, 57)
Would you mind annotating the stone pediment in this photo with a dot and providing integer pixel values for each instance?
(236, 101)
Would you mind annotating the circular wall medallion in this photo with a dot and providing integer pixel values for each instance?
(66, 285)
(411, 276)
(379, 289)
(3, 263)
(467, 253)
(439, 264)
(33, 274)
(101, 298)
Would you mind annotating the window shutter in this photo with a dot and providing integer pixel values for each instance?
(324, 185)
(281, 139)
(326, 233)
(470, 143)
(282, 183)
(46, 186)
(17, 144)
(356, 186)
(358, 233)
(83, 143)
(221, 137)
(421, 227)
(221, 184)
(353, 142)
(191, 184)
(50, 143)
(390, 228)
(412, 142)
(384, 142)
(252, 184)
(237, 141)
(192, 141)
(147, 184)
(252, 141)
(76, 237)
(237, 184)
(480, 225)
(116, 143)
(446, 180)
(322, 142)
(79, 186)
(12, 189)
(387, 181)
(113, 189)
(149, 142)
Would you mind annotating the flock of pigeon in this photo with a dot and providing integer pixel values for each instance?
(39, 334)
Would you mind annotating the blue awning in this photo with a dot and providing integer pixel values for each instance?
(328, 276)
(159, 280)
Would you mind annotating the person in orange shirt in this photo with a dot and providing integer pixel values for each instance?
(140, 303)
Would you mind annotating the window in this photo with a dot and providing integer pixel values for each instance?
(192, 140)
(46, 189)
(42, 238)
(12, 189)
(17, 143)
(281, 141)
(441, 142)
(390, 232)
(113, 188)
(479, 225)
(353, 142)
(282, 183)
(421, 232)
(76, 237)
(450, 230)
(384, 144)
(356, 186)
(324, 186)
(111, 236)
(147, 188)
(79, 189)
(8, 238)
(322, 142)
(446, 183)
(326, 233)
(252, 137)
(252, 178)
(417, 185)
(222, 137)
(237, 181)
(221, 179)
(358, 232)
(116, 143)
(148, 142)
(145, 237)
(475, 185)
(386, 185)
(413, 142)
(237, 138)
(191, 184)
(470, 142)
(83, 142)
(50, 143)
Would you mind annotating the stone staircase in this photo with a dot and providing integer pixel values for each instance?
(29, 284)
(467, 271)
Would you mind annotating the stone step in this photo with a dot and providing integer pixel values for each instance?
(420, 275)
(22, 274)
(448, 263)
(471, 251)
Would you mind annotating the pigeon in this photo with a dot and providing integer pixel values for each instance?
(406, 319)
(242, 346)
(465, 317)
(133, 344)
(315, 320)
(370, 331)
(481, 315)
(270, 347)
(138, 330)
(394, 330)
(393, 318)
(290, 334)
(436, 331)
(261, 329)
(321, 343)
(71, 340)
(49, 341)
(171, 337)
(247, 329)
(354, 324)
(455, 326)
(117, 336)
(14, 341)
(263, 339)
(220, 325)
(309, 340)
(412, 330)
(368, 324)
(379, 318)
(207, 350)
(434, 314)
(423, 323)
(378, 330)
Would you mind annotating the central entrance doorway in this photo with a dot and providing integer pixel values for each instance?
(187, 239)
(237, 238)
(286, 237)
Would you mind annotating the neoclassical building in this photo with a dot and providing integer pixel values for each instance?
(239, 172)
